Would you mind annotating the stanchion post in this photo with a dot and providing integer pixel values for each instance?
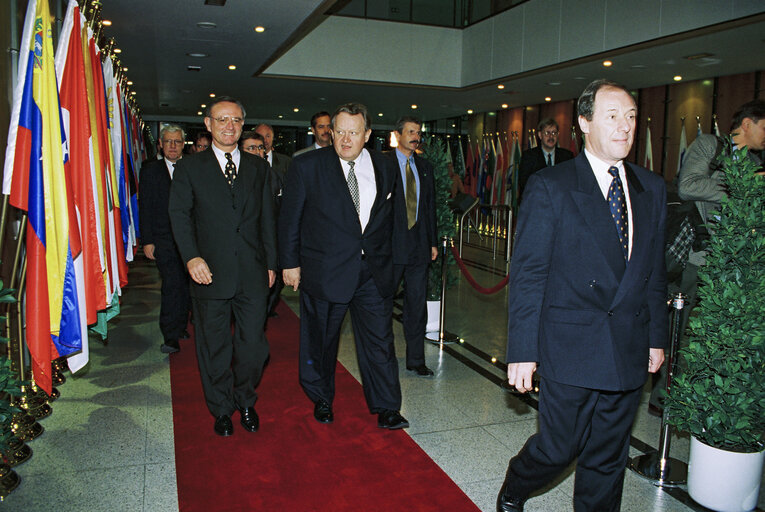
(444, 337)
(658, 467)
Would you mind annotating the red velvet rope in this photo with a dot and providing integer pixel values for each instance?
(486, 291)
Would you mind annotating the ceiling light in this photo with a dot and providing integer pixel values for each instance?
(296, 109)
(677, 78)
(130, 82)
(197, 55)
(470, 111)
(117, 50)
(500, 86)
(203, 105)
(504, 105)
(580, 78)
(125, 68)
(414, 107)
(106, 23)
(132, 92)
(379, 114)
(212, 94)
(454, 125)
(199, 113)
(553, 83)
(492, 113)
(607, 63)
(206, 25)
(232, 67)
(547, 98)
(280, 116)
(260, 29)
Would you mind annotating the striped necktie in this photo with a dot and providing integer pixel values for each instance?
(353, 187)
(411, 196)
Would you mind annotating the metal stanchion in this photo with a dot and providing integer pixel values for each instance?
(658, 467)
(444, 337)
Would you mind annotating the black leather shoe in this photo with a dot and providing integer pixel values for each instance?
(185, 335)
(249, 419)
(391, 420)
(322, 411)
(223, 426)
(421, 370)
(507, 503)
(170, 346)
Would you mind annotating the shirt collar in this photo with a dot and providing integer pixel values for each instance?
(601, 167)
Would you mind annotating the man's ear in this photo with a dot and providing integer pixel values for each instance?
(584, 124)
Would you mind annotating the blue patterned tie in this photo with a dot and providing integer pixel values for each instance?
(618, 205)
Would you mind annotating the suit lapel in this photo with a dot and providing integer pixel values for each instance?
(594, 209)
(378, 164)
(339, 186)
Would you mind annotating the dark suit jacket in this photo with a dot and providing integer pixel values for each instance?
(232, 229)
(152, 204)
(574, 306)
(534, 159)
(413, 246)
(320, 232)
(281, 164)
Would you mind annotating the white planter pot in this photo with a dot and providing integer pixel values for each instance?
(434, 312)
(724, 481)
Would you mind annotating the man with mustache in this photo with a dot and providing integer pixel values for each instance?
(322, 133)
(415, 237)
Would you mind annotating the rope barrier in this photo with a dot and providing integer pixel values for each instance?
(486, 291)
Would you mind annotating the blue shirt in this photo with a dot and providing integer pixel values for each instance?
(402, 167)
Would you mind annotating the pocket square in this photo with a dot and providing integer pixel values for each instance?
(389, 194)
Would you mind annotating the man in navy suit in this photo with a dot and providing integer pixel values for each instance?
(546, 154)
(157, 238)
(587, 306)
(335, 231)
(415, 237)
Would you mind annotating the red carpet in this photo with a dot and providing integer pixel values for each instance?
(294, 463)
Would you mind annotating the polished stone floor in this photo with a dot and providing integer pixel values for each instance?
(108, 446)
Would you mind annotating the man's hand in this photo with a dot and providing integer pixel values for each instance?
(519, 375)
(291, 277)
(148, 251)
(655, 359)
(271, 278)
(433, 253)
(199, 271)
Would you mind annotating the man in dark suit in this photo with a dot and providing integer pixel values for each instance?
(546, 154)
(223, 222)
(587, 306)
(280, 163)
(415, 237)
(322, 134)
(335, 232)
(157, 237)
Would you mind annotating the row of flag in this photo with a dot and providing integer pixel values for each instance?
(683, 144)
(73, 156)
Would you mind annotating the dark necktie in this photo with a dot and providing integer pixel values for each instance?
(353, 186)
(618, 205)
(411, 196)
(230, 170)
(549, 160)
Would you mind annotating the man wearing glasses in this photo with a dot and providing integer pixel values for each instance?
(546, 154)
(157, 237)
(223, 221)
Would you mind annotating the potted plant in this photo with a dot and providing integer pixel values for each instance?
(719, 396)
(435, 152)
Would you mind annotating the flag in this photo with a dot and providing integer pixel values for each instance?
(459, 167)
(38, 185)
(683, 148)
(532, 139)
(573, 145)
(468, 180)
(717, 128)
(74, 110)
(499, 173)
(698, 126)
(648, 161)
(516, 167)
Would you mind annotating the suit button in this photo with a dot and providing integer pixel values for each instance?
(592, 284)
(610, 313)
(237, 230)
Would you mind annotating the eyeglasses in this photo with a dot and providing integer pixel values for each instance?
(550, 133)
(226, 119)
(172, 142)
(259, 147)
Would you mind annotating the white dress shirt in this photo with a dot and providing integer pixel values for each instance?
(365, 175)
(170, 167)
(221, 156)
(600, 169)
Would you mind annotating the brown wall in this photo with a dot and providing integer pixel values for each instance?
(665, 105)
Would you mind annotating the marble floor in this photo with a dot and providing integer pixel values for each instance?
(108, 446)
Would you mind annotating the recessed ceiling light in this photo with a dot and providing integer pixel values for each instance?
(130, 82)
(500, 86)
(470, 111)
(117, 50)
(203, 105)
(232, 67)
(607, 63)
(379, 114)
(125, 68)
(199, 113)
(132, 92)
(260, 29)
(547, 98)
(504, 105)
(280, 116)
(106, 23)
(492, 113)
(197, 55)
(296, 109)
(212, 94)
(206, 25)
(677, 78)
(414, 107)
